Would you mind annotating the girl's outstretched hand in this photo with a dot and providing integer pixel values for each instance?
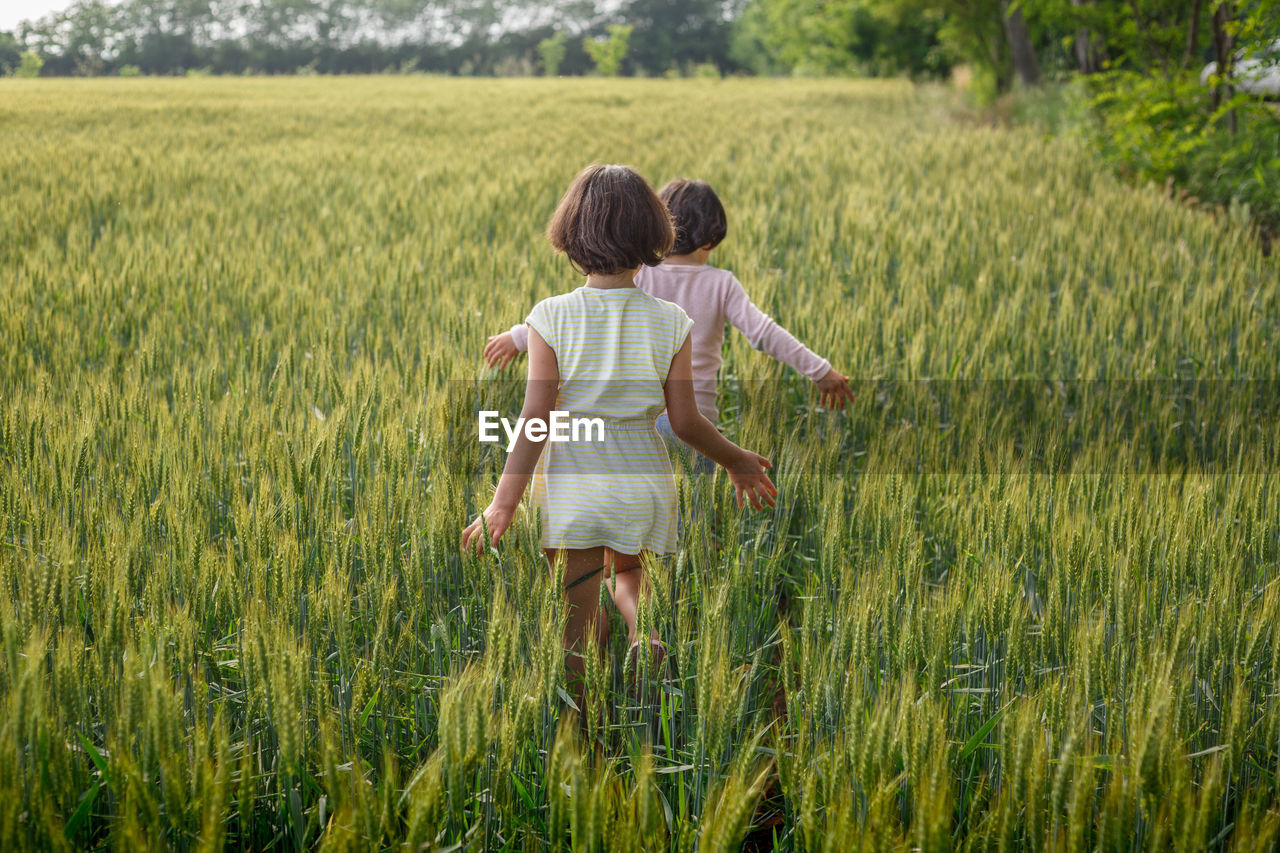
(833, 390)
(749, 478)
(500, 350)
(496, 518)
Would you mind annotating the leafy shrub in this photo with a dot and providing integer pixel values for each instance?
(1161, 130)
(551, 50)
(30, 65)
(608, 53)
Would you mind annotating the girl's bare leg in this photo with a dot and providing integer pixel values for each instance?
(584, 570)
(581, 582)
(627, 583)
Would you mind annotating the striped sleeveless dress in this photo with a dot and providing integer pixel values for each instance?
(613, 349)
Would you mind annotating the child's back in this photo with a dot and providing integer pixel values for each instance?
(712, 296)
(614, 349)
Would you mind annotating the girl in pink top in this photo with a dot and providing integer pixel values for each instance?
(710, 296)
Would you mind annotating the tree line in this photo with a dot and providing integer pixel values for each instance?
(481, 37)
(1002, 41)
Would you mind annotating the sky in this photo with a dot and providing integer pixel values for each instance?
(14, 11)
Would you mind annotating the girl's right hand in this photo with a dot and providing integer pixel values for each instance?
(749, 478)
(500, 350)
(496, 518)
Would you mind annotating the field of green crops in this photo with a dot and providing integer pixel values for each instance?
(995, 607)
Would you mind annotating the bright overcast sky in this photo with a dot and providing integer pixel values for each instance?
(14, 11)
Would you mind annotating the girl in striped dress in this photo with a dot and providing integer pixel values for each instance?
(612, 352)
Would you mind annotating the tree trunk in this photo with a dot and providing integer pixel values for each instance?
(1020, 48)
(1223, 54)
(1086, 53)
(1193, 33)
(1083, 56)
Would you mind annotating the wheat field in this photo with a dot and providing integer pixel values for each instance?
(1022, 596)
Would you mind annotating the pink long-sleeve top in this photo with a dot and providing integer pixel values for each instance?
(710, 296)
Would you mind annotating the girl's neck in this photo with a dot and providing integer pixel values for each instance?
(696, 258)
(616, 281)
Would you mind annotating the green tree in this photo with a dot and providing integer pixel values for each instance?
(1149, 36)
(823, 34)
(608, 53)
(750, 44)
(675, 33)
(10, 53)
(992, 36)
(878, 37)
(552, 50)
(30, 65)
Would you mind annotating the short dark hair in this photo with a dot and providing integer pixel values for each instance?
(610, 220)
(697, 212)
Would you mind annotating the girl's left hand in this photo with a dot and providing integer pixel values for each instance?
(500, 350)
(496, 518)
(750, 481)
(833, 390)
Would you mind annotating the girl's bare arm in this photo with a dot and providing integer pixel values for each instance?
(539, 399)
(746, 469)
